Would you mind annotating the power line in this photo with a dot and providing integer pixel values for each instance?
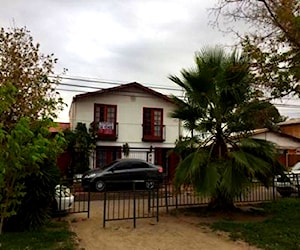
(281, 105)
(118, 82)
(110, 82)
(123, 93)
(98, 88)
(114, 82)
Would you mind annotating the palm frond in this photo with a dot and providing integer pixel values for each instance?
(196, 171)
(218, 94)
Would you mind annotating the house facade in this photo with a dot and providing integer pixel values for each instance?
(290, 127)
(132, 121)
(288, 145)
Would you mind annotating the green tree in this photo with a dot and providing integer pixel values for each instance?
(21, 153)
(38, 180)
(81, 144)
(28, 103)
(221, 161)
(272, 41)
(28, 70)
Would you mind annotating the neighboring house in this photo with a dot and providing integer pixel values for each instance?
(60, 126)
(288, 145)
(290, 127)
(130, 114)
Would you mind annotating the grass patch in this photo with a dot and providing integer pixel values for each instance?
(280, 229)
(56, 235)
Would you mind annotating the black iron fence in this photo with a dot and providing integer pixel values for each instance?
(288, 185)
(169, 196)
(131, 204)
(71, 198)
(135, 202)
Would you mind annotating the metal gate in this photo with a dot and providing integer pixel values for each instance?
(131, 204)
(71, 198)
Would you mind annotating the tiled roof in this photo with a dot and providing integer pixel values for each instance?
(290, 121)
(60, 127)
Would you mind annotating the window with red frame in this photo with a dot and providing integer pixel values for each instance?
(152, 124)
(105, 116)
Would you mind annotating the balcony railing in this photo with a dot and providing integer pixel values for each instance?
(108, 131)
(155, 137)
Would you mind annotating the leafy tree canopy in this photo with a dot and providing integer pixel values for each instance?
(273, 40)
(26, 69)
(81, 144)
(28, 103)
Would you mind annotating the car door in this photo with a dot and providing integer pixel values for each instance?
(120, 171)
(149, 172)
(117, 176)
(135, 171)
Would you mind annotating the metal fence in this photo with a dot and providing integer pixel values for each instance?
(132, 204)
(169, 196)
(135, 203)
(71, 198)
(288, 185)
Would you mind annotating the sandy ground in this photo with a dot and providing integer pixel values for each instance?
(170, 233)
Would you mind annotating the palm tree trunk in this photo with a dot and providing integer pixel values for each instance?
(1, 224)
(220, 148)
(221, 202)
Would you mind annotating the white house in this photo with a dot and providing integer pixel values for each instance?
(288, 145)
(129, 114)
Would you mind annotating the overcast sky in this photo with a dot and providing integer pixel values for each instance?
(119, 40)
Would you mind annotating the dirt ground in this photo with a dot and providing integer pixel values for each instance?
(170, 233)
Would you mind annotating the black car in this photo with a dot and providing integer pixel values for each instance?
(122, 172)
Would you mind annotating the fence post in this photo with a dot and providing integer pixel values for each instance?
(134, 206)
(149, 200)
(157, 204)
(89, 200)
(104, 208)
(59, 203)
(297, 181)
(166, 197)
(176, 198)
(273, 188)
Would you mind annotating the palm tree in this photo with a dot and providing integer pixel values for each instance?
(221, 161)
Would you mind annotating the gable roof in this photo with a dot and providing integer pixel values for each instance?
(289, 122)
(282, 140)
(120, 88)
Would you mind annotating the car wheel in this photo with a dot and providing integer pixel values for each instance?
(150, 185)
(99, 185)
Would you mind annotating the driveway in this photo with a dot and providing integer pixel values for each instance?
(170, 233)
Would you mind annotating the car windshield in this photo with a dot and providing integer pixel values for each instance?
(296, 166)
(108, 165)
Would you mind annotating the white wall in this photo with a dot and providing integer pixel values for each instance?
(129, 116)
(281, 141)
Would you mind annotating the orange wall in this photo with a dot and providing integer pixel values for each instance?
(291, 129)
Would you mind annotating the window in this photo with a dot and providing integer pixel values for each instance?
(122, 166)
(152, 124)
(105, 117)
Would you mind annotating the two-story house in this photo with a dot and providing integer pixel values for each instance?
(130, 114)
